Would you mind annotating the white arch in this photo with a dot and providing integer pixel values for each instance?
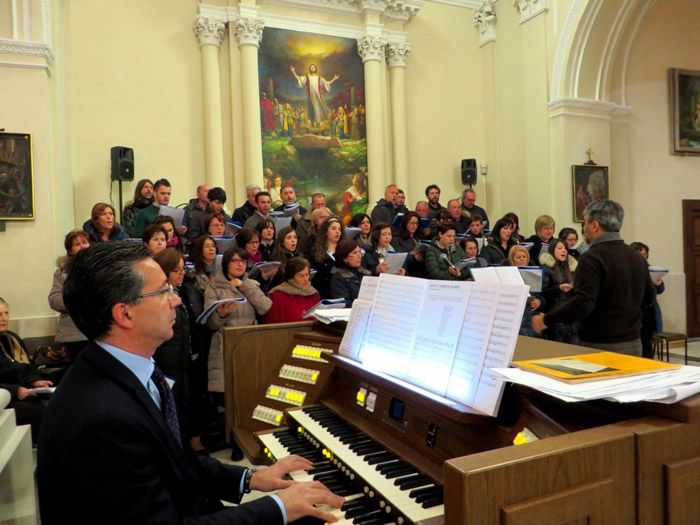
(580, 65)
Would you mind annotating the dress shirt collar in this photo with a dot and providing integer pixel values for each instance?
(141, 367)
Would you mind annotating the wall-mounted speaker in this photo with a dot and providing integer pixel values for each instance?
(469, 172)
(122, 163)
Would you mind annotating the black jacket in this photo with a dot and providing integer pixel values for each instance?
(106, 455)
(346, 283)
(243, 213)
(384, 211)
(12, 374)
(611, 288)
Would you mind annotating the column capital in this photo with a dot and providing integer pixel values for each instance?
(485, 22)
(209, 31)
(248, 31)
(530, 8)
(371, 47)
(397, 54)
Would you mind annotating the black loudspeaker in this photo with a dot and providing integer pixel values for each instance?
(122, 163)
(469, 171)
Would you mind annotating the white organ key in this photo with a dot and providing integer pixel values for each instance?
(399, 498)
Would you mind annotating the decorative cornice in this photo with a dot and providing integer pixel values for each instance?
(397, 54)
(530, 8)
(467, 4)
(22, 65)
(248, 31)
(372, 6)
(209, 31)
(622, 110)
(371, 48)
(35, 49)
(600, 108)
(485, 22)
(401, 10)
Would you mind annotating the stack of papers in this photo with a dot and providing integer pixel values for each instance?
(661, 387)
(324, 304)
(331, 315)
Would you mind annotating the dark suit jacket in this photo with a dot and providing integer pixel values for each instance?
(106, 455)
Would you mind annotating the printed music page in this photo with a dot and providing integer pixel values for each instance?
(473, 341)
(392, 323)
(509, 275)
(438, 327)
(485, 275)
(504, 334)
(368, 288)
(354, 334)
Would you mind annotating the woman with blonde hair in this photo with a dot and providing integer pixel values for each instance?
(544, 231)
(307, 240)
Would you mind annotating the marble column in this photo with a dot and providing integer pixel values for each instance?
(248, 32)
(210, 34)
(396, 56)
(371, 49)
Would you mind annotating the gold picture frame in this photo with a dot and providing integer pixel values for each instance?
(16, 177)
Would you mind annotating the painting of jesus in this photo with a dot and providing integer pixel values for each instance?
(313, 116)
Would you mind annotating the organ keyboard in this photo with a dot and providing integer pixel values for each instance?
(350, 463)
(595, 462)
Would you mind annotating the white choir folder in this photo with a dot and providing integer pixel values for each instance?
(442, 336)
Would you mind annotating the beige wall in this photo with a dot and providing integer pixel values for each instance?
(667, 37)
(444, 99)
(134, 80)
(27, 264)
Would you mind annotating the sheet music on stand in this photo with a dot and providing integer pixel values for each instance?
(444, 336)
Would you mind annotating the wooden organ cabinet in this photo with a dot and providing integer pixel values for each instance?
(594, 463)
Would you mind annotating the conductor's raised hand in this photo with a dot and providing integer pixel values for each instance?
(300, 498)
(270, 478)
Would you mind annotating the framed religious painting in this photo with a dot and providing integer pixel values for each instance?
(685, 111)
(16, 177)
(590, 184)
(312, 115)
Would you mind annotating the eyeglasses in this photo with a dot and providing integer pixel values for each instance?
(238, 261)
(179, 270)
(209, 246)
(253, 242)
(169, 290)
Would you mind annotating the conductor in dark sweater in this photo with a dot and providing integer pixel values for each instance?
(611, 286)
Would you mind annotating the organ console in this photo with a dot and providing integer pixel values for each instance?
(403, 455)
